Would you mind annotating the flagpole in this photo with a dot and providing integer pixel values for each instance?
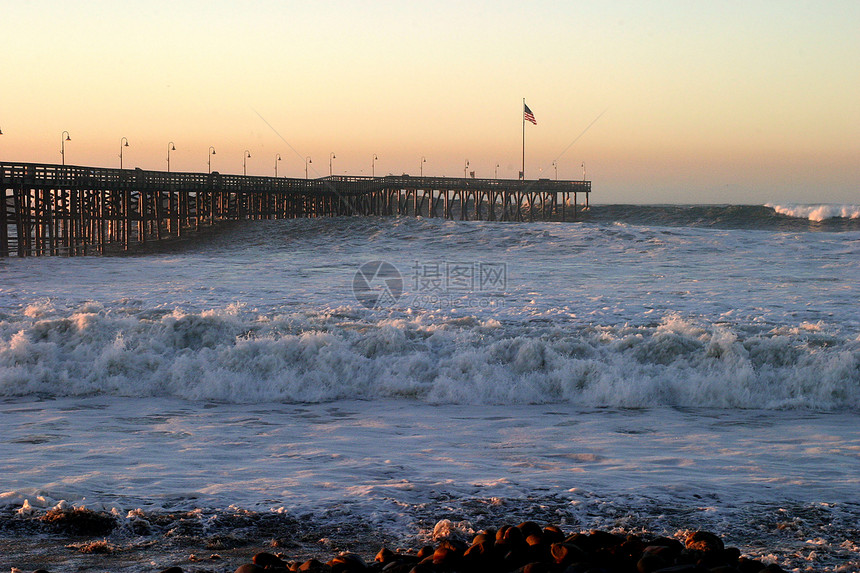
(523, 177)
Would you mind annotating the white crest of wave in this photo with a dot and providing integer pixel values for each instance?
(817, 212)
(240, 355)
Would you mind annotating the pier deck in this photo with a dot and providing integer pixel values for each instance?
(72, 210)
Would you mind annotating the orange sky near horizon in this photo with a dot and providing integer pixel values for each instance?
(741, 102)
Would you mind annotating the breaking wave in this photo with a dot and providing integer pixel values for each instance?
(818, 212)
(785, 217)
(243, 356)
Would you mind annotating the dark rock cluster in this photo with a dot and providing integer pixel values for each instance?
(528, 548)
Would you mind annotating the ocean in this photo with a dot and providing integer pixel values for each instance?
(333, 384)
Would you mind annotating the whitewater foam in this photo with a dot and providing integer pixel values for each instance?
(241, 355)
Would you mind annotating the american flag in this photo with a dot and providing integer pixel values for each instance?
(529, 116)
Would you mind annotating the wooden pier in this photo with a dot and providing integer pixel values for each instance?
(72, 210)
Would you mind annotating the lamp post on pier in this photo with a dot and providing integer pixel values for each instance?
(307, 160)
(121, 145)
(373, 166)
(245, 157)
(170, 147)
(330, 157)
(465, 169)
(277, 158)
(555, 164)
(211, 153)
(423, 161)
(63, 141)
(496, 172)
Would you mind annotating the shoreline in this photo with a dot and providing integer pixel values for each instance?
(317, 486)
(503, 548)
(76, 539)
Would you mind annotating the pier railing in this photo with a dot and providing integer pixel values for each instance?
(74, 210)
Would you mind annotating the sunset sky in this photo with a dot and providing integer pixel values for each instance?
(694, 102)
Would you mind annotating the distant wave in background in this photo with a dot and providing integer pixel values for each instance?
(817, 212)
(787, 217)
(244, 356)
